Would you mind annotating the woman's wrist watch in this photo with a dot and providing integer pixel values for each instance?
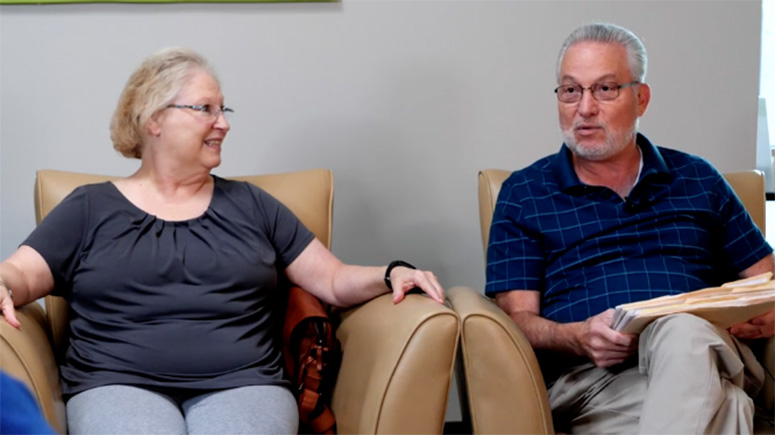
(391, 266)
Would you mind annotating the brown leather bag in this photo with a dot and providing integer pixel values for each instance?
(312, 356)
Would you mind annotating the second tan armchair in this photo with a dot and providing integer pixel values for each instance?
(505, 387)
(397, 360)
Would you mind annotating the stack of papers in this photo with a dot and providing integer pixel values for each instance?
(732, 303)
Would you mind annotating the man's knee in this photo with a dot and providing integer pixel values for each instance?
(683, 322)
(685, 339)
(683, 332)
(689, 341)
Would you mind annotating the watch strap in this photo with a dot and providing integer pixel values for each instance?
(391, 266)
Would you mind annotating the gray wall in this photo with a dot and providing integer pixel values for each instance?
(404, 100)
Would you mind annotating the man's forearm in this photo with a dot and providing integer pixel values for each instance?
(546, 334)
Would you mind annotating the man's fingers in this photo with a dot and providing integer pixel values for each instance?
(616, 339)
(747, 331)
(764, 319)
(610, 361)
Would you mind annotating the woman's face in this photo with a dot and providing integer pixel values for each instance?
(191, 136)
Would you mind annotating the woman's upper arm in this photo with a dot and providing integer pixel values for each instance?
(314, 270)
(33, 270)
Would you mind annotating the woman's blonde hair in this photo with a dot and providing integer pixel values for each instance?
(151, 88)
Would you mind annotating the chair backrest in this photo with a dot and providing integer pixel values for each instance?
(748, 185)
(309, 194)
(490, 181)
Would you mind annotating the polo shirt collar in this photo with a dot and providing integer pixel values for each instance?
(653, 165)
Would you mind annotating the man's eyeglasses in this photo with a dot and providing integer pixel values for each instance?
(206, 110)
(605, 91)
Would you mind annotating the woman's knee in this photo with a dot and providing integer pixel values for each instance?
(123, 409)
(248, 410)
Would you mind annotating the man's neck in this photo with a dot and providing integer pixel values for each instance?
(618, 173)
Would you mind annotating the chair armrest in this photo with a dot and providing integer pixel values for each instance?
(27, 355)
(500, 368)
(397, 363)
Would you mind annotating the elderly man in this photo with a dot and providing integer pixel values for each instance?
(610, 219)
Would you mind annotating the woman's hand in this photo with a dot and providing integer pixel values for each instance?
(6, 304)
(762, 326)
(405, 279)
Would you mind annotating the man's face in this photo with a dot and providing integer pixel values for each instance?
(598, 130)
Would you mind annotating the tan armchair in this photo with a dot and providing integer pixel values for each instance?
(505, 388)
(397, 360)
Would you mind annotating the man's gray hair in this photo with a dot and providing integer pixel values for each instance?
(610, 34)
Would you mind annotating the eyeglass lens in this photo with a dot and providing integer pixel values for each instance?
(600, 91)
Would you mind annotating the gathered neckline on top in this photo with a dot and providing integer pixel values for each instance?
(168, 221)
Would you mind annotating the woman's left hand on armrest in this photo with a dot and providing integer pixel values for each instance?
(405, 279)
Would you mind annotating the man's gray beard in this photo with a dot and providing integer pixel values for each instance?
(612, 145)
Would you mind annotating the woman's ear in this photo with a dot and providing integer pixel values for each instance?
(154, 124)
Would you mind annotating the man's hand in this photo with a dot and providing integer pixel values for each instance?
(604, 346)
(759, 327)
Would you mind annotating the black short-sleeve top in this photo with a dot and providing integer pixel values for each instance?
(170, 305)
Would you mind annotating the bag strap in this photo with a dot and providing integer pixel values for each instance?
(324, 422)
(311, 411)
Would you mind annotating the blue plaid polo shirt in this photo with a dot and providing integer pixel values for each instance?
(585, 249)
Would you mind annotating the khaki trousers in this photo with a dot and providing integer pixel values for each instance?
(689, 377)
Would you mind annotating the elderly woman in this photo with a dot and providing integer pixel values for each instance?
(170, 272)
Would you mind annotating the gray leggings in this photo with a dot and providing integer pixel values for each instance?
(123, 409)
